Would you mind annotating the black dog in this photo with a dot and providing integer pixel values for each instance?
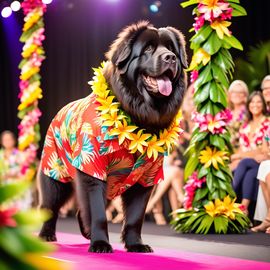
(145, 72)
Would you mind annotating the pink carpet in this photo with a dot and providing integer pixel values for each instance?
(73, 248)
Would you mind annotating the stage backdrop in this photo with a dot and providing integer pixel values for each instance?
(78, 33)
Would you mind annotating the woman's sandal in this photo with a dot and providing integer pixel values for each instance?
(263, 227)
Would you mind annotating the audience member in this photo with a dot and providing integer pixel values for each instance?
(10, 167)
(265, 86)
(237, 98)
(246, 160)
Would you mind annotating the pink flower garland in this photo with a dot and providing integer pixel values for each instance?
(190, 188)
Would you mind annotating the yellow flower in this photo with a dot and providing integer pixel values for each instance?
(227, 208)
(154, 147)
(123, 130)
(32, 19)
(200, 56)
(211, 209)
(221, 28)
(25, 141)
(107, 105)
(28, 51)
(112, 118)
(138, 141)
(210, 157)
(29, 73)
(29, 98)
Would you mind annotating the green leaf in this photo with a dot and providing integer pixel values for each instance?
(191, 165)
(189, 3)
(203, 172)
(26, 35)
(202, 93)
(223, 62)
(238, 10)
(221, 175)
(221, 224)
(234, 42)
(213, 44)
(200, 193)
(12, 190)
(233, 1)
(205, 225)
(220, 76)
(204, 76)
(210, 182)
(200, 136)
(217, 141)
(201, 35)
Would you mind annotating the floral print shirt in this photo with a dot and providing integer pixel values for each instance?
(76, 140)
(252, 139)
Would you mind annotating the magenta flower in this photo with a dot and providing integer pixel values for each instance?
(6, 217)
(213, 9)
(29, 5)
(216, 124)
(190, 188)
(199, 22)
(194, 75)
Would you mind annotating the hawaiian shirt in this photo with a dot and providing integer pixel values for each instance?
(250, 140)
(77, 140)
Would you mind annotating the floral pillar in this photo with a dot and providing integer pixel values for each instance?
(30, 91)
(209, 204)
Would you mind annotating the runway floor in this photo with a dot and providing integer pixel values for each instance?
(171, 250)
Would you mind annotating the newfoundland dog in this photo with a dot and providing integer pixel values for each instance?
(144, 74)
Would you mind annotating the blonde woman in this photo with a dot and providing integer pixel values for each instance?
(237, 98)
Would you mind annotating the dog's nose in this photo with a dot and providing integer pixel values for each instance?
(169, 58)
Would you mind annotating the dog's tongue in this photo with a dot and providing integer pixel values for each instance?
(164, 85)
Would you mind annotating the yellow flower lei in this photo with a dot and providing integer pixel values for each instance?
(119, 123)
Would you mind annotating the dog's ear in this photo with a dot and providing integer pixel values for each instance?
(120, 50)
(179, 42)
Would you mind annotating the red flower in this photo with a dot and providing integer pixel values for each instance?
(194, 75)
(6, 219)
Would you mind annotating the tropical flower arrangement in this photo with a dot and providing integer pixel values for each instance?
(19, 248)
(30, 91)
(209, 204)
(120, 125)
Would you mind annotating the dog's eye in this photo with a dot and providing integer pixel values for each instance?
(149, 48)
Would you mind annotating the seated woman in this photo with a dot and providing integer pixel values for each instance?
(245, 162)
(237, 99)
(264, 179)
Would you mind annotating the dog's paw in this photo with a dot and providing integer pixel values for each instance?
(139, 248)
(100, 247)
(48, 237)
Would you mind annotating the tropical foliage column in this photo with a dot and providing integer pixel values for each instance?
(209, 204)
(30, 91)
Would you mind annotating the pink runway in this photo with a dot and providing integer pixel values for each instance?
(73, 248)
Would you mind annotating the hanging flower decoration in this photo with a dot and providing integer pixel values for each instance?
(208, 206)
(119, 125)
(30, 91)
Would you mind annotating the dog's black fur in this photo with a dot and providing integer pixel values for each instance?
(139, 52)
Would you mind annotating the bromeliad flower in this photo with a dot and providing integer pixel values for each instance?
(210, 157)
(227, 208)
(201, 56)
(221, 28)
(123, 130)
(214, 123)
(212, 9)
(154, 147)
(138, 141)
